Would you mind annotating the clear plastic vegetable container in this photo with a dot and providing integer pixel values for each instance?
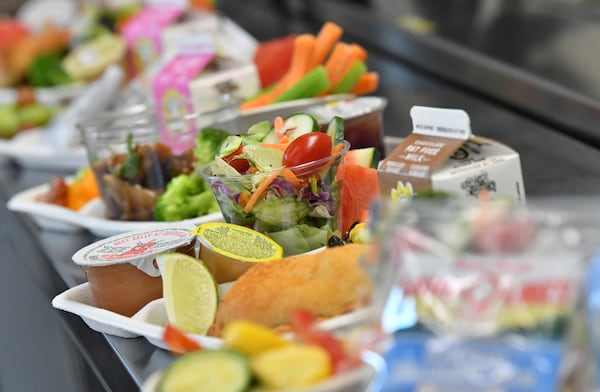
(137, 149)
(299, 216)
(484, 295)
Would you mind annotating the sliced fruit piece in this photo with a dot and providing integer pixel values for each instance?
(207, 371)
(251, 338)
(366, 157)
(335, 130)
(272, 59)
(292, 366)
(190, 292)
(359, 188)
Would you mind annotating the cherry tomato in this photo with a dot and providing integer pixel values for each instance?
(239, 164)
(307, 148)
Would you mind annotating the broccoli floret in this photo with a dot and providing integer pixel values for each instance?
(187, 196)
(208, 142)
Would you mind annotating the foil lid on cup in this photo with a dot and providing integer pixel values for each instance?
(137, 247)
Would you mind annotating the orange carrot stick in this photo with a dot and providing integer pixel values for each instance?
(338, 56)
(366, 84)
(258, 101)
(359, 52)
(327, 37)
(261, 189)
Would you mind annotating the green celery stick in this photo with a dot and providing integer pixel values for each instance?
(349, 80)
(309, 86)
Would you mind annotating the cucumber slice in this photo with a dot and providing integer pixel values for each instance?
(230, 145)
(207, 370)
(259, 130)
(264, 158)
(270, 137)
(221, 168)
(298, 124)
(335, 130)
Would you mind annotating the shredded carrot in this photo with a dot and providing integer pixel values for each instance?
(337, 149)
(327, 37)
(261, 189)
(252, 170)
(278, 123)
(277, 146)
(291, 177)
(243, 198)
(366, 84)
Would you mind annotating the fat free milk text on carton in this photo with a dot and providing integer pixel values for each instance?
(441, 154)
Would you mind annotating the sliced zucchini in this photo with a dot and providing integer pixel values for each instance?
(207, 371)
(335, 130)
(299, 124)
(264, 158)
(259, 130)
(230, 145)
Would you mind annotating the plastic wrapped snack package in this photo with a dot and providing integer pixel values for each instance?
(486, 295)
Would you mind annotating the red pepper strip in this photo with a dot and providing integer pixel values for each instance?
(178, 341)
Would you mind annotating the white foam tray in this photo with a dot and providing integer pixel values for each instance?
(91, 217)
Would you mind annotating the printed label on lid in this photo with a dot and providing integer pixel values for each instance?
(137, 248)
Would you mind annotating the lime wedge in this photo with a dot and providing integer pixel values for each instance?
(190, 292)
(265, 159)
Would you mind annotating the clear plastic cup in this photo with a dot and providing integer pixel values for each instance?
(136, 150)
(300, 219)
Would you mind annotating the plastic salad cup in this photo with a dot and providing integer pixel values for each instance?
(300, 217)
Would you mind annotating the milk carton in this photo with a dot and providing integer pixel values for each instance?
(441, 154)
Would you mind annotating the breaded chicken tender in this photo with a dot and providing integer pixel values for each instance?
(327, 283)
